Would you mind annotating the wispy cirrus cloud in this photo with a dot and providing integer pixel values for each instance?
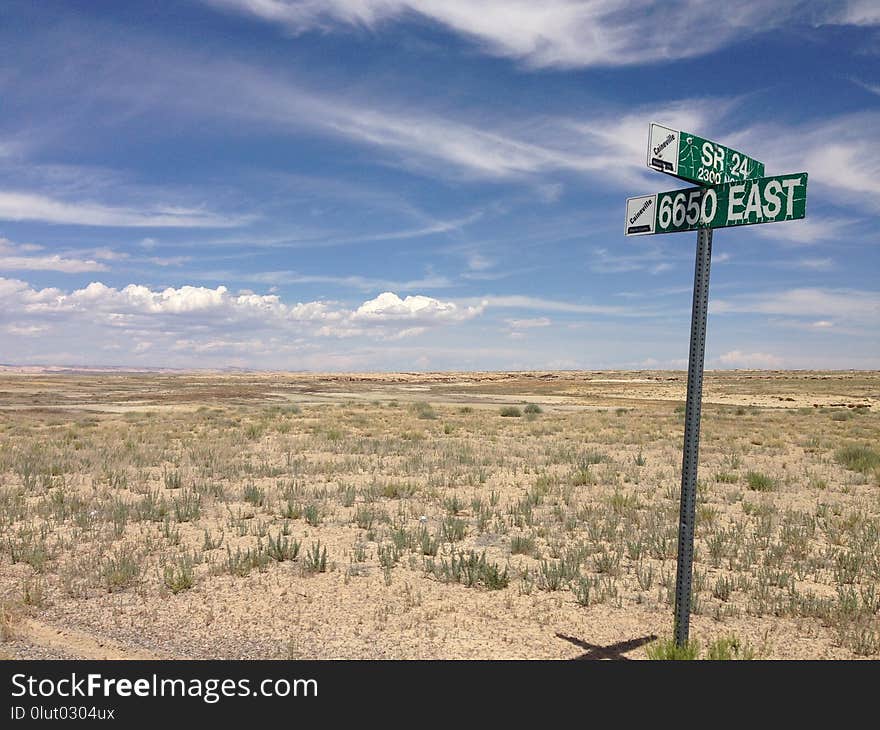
(812, 230)
(354, 281)
(525, 302)
(51, 262)
(24, 257)
(24, 206)
(565, 33)
(419, 134)
(839, 153)
(854, 306)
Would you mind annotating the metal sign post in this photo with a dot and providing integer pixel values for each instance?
(690, 458)
(733, 192)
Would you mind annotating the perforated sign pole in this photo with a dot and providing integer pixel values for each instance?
(684, 575)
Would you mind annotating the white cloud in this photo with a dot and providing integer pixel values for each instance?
(810, 230)
(816, 264)
(606, 142)
(25, 206)
(26, 330)
(739, 359)
(11, 259)
(49, 263)
(478, 262)
(390, 307)
(169, 260)
(566, 33)
(519, 301)
(529, 323)
(362, 283)
(873, 88)
(654, 260)
(857, 12)
(142, 322)
(840, 155)
(850, 305)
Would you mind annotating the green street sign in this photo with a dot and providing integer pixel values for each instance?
(692, 158)
(762, 200)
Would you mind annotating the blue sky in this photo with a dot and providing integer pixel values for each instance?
(425, 184)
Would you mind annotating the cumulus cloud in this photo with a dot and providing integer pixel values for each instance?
(390, 307)
(141, 322)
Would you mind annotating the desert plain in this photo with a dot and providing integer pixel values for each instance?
(527, 515)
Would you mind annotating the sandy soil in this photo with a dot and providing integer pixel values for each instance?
(594, 473)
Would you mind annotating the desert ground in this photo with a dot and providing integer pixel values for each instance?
(447, 515)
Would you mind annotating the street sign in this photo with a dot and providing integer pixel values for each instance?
(698, 160)
(733, 192)
(760, 200)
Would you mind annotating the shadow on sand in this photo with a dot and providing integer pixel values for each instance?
(612, 651)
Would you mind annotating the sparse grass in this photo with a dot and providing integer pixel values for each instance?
(522, 545)
(316, 559)
(121, 568)
(543, 517)
(759, 482)
(728, 648)
(252, 494)
(312, 514)
(33, 592)
(7, 622)
(668, 650)
(858, 457)
(470, 569)
(179, 576)
(424, 411)
(282, 548)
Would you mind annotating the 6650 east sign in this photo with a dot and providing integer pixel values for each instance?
(761, 200)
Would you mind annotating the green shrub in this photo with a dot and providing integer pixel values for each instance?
(282, 548)
(121, 569)
(760, 482)
(316, 559)
(522, 545)
(729, 648)
(254, 495)
(424, 410)
(470, 569)
(179, 577)
(668, 650)
(312, 515)
(858, 457)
